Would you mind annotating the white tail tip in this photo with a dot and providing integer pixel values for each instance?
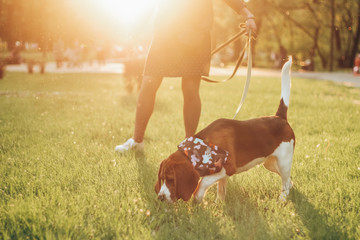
(286, 81)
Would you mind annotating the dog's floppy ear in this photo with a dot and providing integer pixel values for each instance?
(158, 183)
(186, 180)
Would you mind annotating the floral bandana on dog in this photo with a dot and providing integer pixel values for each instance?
(206, 158)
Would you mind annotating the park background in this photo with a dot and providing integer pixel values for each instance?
(61, 179)
(320, 35)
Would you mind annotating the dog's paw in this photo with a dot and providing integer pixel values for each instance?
(197, 198)
(283, 196)
(220, 198)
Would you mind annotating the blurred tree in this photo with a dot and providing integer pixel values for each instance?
(301, 28)
(347, 31)
(10, 21)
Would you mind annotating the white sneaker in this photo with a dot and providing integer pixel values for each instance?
(130, 144)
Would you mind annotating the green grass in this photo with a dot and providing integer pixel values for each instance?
(61, 179)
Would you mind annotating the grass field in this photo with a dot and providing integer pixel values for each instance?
(61, 179)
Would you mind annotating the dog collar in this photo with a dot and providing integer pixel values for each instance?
(206, 158)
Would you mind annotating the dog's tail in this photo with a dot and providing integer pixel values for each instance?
(285, 90)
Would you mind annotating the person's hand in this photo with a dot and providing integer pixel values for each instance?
(250, 25)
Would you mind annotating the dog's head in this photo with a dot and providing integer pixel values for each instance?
(177, 179)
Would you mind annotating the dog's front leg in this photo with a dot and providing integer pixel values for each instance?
(221, 189)
(206, 182)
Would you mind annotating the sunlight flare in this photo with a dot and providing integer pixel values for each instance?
(126, 13)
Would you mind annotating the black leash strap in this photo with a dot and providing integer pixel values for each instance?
(238, 62)
(232, 39)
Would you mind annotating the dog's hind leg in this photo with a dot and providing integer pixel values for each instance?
(286, 186)
(284, 156)
(221, 189)
(271, 164)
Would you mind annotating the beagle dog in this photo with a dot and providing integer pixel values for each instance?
(269, 140)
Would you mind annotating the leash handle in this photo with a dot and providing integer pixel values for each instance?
(248, 77)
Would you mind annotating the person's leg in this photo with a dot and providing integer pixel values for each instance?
(145, 105)
(144, 108)
(192, 104)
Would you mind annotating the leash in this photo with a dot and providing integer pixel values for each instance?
(248, 76)
(238, 63)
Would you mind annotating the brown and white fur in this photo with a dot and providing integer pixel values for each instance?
(269, 140)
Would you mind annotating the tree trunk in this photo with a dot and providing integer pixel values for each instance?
(350, 62)
(316, 47)
(332, 6)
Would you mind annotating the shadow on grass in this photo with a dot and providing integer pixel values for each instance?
(147, 176)
(246, 216)
(316, 222)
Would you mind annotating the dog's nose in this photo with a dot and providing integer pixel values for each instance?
(161, 197)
